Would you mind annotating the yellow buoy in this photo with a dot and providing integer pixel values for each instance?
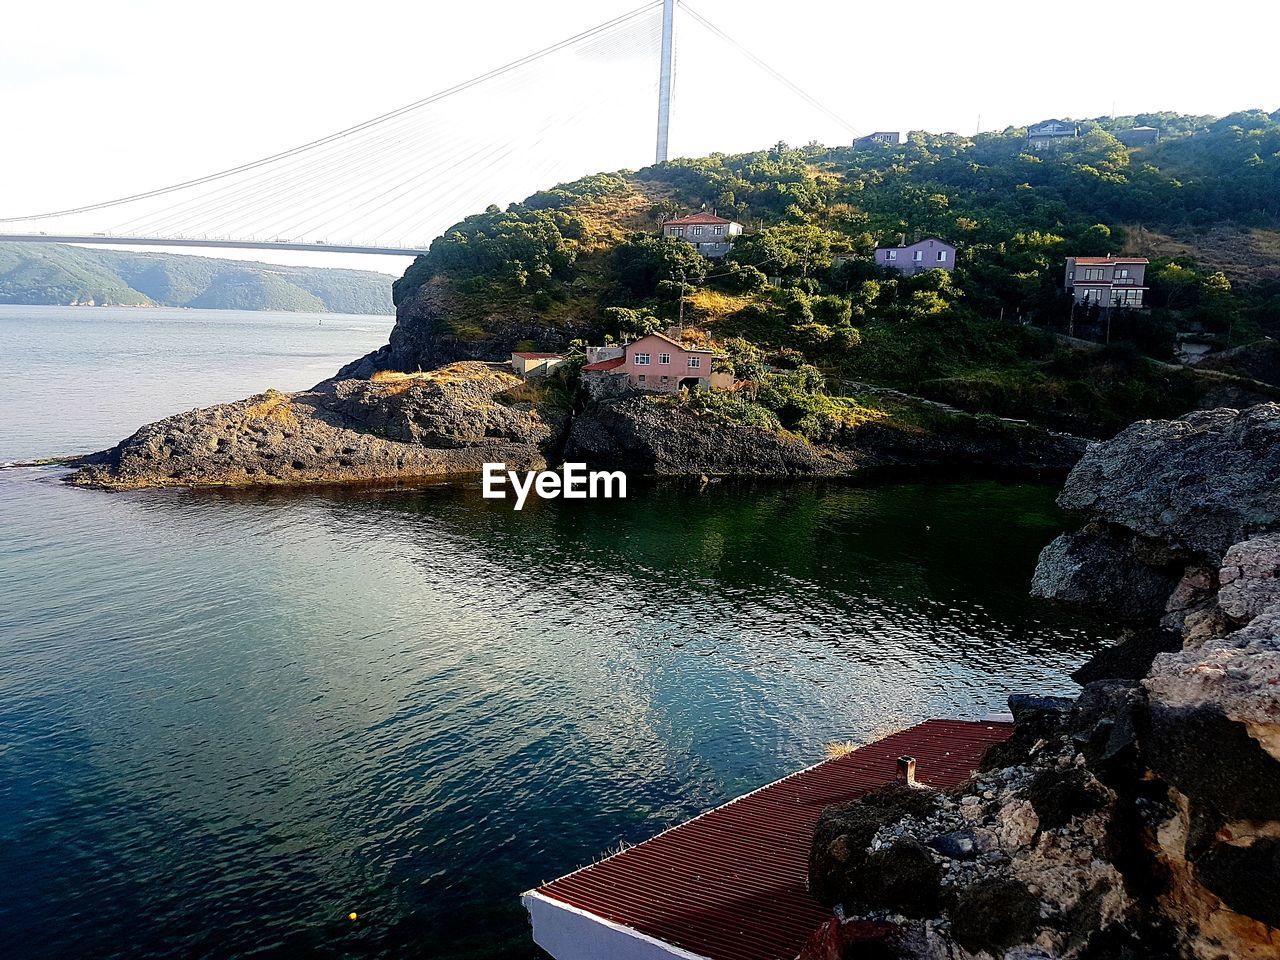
(353, 916)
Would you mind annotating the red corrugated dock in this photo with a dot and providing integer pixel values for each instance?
(731, 884)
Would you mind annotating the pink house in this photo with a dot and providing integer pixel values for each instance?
(657, 362)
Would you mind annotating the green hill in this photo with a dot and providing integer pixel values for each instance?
(801, 291)
(60, 274)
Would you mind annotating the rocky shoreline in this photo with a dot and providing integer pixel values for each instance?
(391, 427)
(1141, 819)
(451, 421)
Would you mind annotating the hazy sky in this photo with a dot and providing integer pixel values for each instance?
(103, 99)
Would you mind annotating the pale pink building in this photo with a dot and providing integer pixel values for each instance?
(657, 362)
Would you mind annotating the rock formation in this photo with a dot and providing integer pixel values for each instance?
(437, 325)
(1143, 818)
(650, 435)
(393, 426)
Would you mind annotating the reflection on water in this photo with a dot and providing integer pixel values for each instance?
(228, 720)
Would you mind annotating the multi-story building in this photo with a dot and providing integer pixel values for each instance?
(658, 362)
(927, 254)
(1050, 133)
(710, 235)
(1107, 281)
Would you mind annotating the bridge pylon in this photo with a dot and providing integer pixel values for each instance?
(664, 77)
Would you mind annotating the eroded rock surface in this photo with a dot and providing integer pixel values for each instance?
(1197, 485)
(652, 435)
(393, 426)
(1142, 819)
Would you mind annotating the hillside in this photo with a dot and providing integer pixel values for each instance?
(33, 273)
(801, 296)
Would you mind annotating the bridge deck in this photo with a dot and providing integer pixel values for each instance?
(230, 244)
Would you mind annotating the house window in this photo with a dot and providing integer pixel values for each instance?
(942, 256)
(664, 358)
(1122, 273)
(641, 378)
(697, 231)
(718, 230)
(665, 379)
(891, 254)
(1092, 273)
(1071, 274)
(695, 362)
(919, 255)
(642, 359)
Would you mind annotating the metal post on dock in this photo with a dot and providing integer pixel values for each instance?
(907, 771)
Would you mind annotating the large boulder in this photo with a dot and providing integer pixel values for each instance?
(1098, 566)
(1198, 484)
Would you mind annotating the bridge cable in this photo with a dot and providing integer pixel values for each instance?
(340, 134)
(790, 85)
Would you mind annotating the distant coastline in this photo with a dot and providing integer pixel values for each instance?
(51, 274)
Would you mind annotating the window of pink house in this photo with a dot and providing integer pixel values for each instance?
(664, 358)
(642, 359)
(695, 361)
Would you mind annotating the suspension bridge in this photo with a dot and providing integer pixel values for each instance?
(389, 184)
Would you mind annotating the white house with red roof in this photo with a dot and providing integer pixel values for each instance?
(710, 235)
(1107, 281)
(657, 362)
(527, 364)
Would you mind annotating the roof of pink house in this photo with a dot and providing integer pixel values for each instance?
(673, 342)
(732, 883)
(538, 356)
(606, 364)
(1112, 260)
(697, 218)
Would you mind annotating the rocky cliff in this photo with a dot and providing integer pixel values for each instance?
(393, 426)
(652, 435)
(439, 325)
(1141, 819)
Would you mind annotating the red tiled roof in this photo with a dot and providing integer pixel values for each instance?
(537, 356)
(731, 884)
(606, 364)
(697, 218)
(1112, 260)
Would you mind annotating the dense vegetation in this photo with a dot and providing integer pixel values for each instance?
(801, 289)
(58, 274)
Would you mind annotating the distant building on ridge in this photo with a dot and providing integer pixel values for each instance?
(1138, 136)
(888, 138)
(1050, 133)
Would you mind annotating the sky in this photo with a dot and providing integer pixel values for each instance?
(104, 99)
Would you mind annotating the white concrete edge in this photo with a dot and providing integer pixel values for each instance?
(668, 948)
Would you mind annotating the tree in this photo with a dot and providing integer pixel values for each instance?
(643, 260)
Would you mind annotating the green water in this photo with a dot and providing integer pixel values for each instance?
(228, 720)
